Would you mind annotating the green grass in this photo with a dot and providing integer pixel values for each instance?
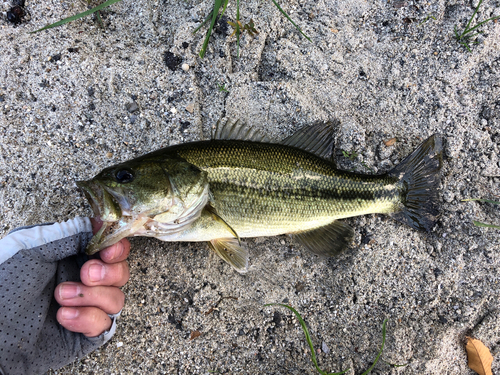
(311, 347)
(236, 25)
(78, 16)
(478, 223)
(352, 155)
(427, 19)
(222, 87)
(467, 34)
(219, 7)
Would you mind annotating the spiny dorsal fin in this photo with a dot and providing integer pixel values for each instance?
(237, 131)
(232, 252)
(329, 240)
(316, 139)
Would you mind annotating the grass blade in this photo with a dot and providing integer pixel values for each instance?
(478, 223)
(434, 18)
(238, 28)
(466, 46)
(480, 200)
(484, 225)
(466, 30)
(479, 24)
(204, 22)
(215, 12)
(77, 16)
(381, 349)
(99, 20)
(224, 9)
(308, 338)
(463, 37)
(289, 19)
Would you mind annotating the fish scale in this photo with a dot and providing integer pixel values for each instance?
(268, 189)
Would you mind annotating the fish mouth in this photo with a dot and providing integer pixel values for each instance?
(103, 204)
(107, 209)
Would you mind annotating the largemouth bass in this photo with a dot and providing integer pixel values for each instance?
(240, 185)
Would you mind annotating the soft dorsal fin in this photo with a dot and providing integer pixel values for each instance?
(329, 240)
(316, 139)
(238, 130)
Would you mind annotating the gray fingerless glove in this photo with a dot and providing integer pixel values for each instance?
(33, 260)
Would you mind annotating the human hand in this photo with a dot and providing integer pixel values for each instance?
(86, 304)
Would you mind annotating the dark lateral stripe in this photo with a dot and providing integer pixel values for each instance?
(296, 193)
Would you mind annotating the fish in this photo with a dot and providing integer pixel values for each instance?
(239, 184)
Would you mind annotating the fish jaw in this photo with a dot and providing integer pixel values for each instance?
(112, 232)
(104, 205)
(107, 210)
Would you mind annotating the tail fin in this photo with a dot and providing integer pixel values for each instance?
(419, 175)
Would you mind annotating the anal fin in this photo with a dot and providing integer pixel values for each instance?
(329, 240)
(232, 252)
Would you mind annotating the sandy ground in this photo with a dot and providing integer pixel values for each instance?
(79, 98)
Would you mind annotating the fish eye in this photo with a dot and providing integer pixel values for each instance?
(123, 176)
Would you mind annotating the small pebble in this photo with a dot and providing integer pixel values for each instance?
(390, 142)
(185, 67)
(119, 344)
(325, 348)
(132, 107)
(109, 155)
(190, 108)
(173, 110)
(171, 60)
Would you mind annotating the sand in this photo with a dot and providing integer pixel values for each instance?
(79, 98)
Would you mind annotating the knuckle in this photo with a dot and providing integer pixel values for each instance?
(96, 322)
(119, 302)
(111, 300)
(94, 315)
(123, 273)
(126, 270)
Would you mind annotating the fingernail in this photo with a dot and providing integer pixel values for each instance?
(118, 250)
(69, 313)
(96, 272)
(67, 291)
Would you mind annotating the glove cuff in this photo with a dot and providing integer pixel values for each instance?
(106, 335)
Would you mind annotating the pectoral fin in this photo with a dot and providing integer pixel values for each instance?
(232, 252)
(329, 240)
(220, 220)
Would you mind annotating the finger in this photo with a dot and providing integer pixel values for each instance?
(95, 272)
(90, 321)
(107, 298)
(116, 253)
